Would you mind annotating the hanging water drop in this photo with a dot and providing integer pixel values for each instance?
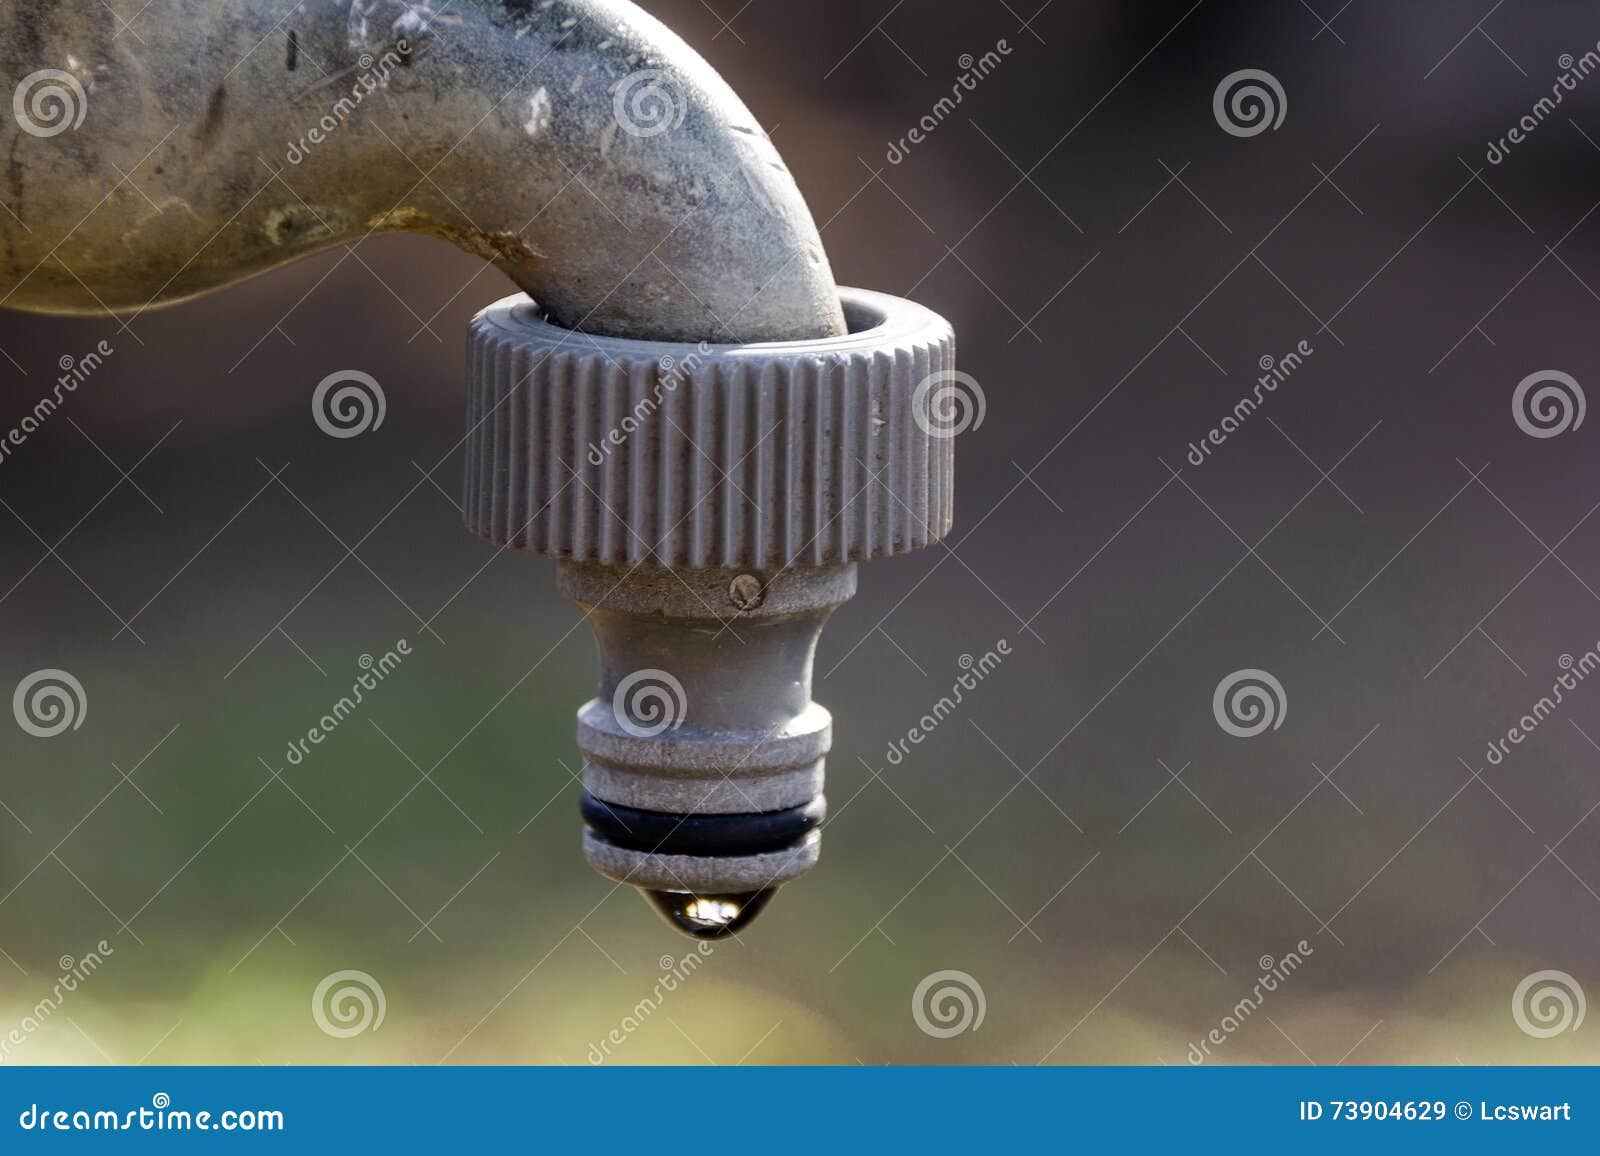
(709, 916)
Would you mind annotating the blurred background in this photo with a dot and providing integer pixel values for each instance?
(1082, 839)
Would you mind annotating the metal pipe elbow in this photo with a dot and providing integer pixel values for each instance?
(578, 145)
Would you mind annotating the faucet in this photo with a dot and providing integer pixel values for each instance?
(680, 406)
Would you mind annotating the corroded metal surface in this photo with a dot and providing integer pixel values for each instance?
(579, 145)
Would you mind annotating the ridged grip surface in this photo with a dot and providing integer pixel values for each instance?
(729, 456)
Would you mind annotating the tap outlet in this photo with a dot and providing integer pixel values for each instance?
(708, 505)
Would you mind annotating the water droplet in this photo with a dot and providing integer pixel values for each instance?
(709, 916)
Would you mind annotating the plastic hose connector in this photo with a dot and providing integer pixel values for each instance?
(762, 456)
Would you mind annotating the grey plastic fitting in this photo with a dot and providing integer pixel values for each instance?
(708, 504)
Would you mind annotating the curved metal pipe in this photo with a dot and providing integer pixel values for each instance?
(579, 145)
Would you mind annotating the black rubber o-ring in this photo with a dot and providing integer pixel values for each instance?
(661, 833)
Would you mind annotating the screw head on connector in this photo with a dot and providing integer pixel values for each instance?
(746, 592)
